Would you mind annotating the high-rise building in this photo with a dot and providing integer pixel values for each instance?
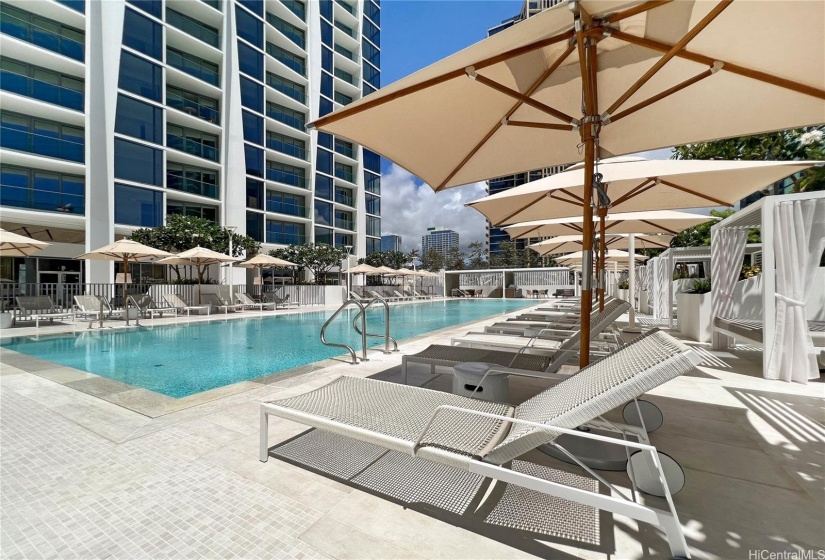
(496, 235)
(390, 243)
(440, 240)
(118, 113)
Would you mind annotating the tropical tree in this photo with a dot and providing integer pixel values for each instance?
(318, 258)
(433, 261)
(800, 143)
(477, 255)
(455, 259)
(508, 256)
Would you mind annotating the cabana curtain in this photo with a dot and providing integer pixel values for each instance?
(660, 287)
(799, 241)
(727, 253)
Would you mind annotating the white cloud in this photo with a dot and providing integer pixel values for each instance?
(409, 207)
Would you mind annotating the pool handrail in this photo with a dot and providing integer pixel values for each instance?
(386, 336)
(348, 303)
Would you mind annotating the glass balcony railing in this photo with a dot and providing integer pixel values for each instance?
(344, 174)
(289, 31)
(345, 150)
(192, 27)
(289, 120)
(193, 186)
(345, 224)
(344, 198)
(278, 83)
(42, 37)
(345, 28)
(44, 91)
(346, 52)
(42, 144)
(344, 75)
(288, 149)
(282, 238)
(287, 178)
(296, 7)
(346, 6)
(192, 147)
(38, 199)
(193, 66)
(287, 209)
(287, 59)
(192, 108)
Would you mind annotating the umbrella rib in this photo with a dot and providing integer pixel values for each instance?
(511, 112)
(613, 224)
(727, 66)
(718, 9)
(666, 93)
(507, 217)
(338, 115)
(492, 84)
(637, 10)
(694, 193)
(526, 233)
(634, 191)
(663, 228)
(548, 126)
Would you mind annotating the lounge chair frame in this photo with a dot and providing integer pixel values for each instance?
(220, 303)
(181, 305)
(152, 308)
(33, 312)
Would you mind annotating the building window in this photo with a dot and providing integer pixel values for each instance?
(374, 226)
(326, 32)
(193, 104)
(371, 54)
(372, 75)
(289, 88)
(323, 213)
(372, 32)
(193, 180)
(345, 148)
(254, 160)
(342, 98)
(138, 75)
(41, 83)
(344, 171)
(373, 204)
(193, 27)
(290, 117)
(151, 7)
(256, 6)
(142, 34)
(324, 161)
(344, 220)
(324, 235)
(42, 137)
(326, 84)
(251, 61)
(139, 120)
(190, 209)
(252, 95)
(372, 161)
(254, 194)
(373, 245)
(326, 9)
(194, 66)
(343, 239)
(294, 34)
(344, 196)
(285, 233)
(253, 128)
(323, 186)
(286, 174)
(249, 27)
(297, 7)
(138, 207)
(325, 140)
(42, 190)
(325, 106)
(255, 226)
(372, 182)
(284, 203)
(326, 59)
(138, 163)
(42, 32)
(293, 61)
(191, 141)
(367, 89)
(372, 11)
(286, 145)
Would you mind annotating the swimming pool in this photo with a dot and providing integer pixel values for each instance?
(181, 360)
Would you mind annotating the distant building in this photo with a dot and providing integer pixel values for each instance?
(783, 186)
(496, 235)
(440, 240)
(390, 243)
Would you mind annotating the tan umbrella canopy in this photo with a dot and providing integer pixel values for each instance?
(14, 245)
(610, 256)
(570, 243)
(638, 185)
(597, 78)
(265, 261)
(199, 257)
(663, 221)
(365, 269)
(126, 251)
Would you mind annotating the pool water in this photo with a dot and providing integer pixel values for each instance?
(181, 360)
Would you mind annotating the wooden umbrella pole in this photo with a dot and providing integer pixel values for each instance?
(602, 248)
(125, 288)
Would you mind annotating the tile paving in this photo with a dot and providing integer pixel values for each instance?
(84, 478)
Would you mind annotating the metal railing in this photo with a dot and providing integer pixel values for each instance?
(39, 89)
(62, 293)
(386, 336)
(304, 294)
(363, 332)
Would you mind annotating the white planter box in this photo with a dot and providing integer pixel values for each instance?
(5, 320)
(623, 294)
(644, 306)
(693, 311)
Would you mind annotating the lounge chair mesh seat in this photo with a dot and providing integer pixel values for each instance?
(541, 341)
(443, 355)
(393, 415)
(752, 329)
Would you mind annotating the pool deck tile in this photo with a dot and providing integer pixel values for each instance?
(83, 477)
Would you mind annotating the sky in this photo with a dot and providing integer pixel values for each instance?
(415, 34)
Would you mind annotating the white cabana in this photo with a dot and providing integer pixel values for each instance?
(793, 240)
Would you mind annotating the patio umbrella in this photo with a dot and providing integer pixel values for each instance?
(562, 244)
(127, 252)
(612, 255)
(14, 245)
(366, 270)
(265, 261)
(606, 77)
(662, 221)
(199, 257)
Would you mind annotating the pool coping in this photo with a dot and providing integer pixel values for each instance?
(155, 405)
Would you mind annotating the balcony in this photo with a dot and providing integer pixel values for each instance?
(346, 76)
(76, 5)
(194, 66)
(193, 27)
(287, 178)
(274, 205)
(177, 101)
(346, 53)
(280, 238)
(296, 7)
(287, 119)
(344, 149)
(38, 199)
(192, 147)
(288, 149)
(342, 98)
(346, 6)
(345, 224)
(344, 174)
(345, 28)
(289, 31)
(43, 91)
(42, 144)
(345, 198)
(192, 186)
(288, 59)
(287, 88)
(214, 3)
(15, 26)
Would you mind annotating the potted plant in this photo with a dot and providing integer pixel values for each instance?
(624, 290)
(693, 310)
